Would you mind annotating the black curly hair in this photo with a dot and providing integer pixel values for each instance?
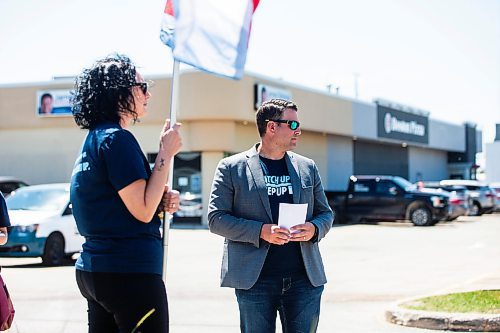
(272, 109)
(103, 92)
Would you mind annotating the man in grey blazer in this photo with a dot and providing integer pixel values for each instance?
(272, 269)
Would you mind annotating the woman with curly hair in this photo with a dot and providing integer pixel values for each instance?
(116, 198)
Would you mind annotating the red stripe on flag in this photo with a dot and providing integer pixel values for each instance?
(255, 4)
(169, 7)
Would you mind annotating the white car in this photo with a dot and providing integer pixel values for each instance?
(42, 224)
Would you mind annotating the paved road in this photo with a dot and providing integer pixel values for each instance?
(369, 266)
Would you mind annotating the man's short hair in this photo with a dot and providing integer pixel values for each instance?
(44, 96)
(272, 109)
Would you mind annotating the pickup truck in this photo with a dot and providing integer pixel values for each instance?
(387, 198)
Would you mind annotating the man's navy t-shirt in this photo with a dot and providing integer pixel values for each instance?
(115, 241)
(282, 260)
(4, 213)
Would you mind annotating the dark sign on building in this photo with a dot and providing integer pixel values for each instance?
(469, 155)
(403, 126)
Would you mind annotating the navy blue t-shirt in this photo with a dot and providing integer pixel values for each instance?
(115, 241)
(282, 260)
(4, 213)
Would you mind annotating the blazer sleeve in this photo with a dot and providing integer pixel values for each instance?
(322, 213)
(221, 220)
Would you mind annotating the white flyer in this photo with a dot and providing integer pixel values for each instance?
(291, 214)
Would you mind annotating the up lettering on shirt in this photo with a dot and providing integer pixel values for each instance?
(278, 185)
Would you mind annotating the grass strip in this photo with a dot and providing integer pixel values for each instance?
(481, 301)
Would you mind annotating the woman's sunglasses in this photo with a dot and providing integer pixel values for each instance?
(143, 85)
(292, 124)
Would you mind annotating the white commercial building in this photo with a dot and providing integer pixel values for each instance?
(493, 158)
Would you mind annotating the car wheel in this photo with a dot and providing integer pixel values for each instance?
(53, 255)
(421, 216)
(475, 209)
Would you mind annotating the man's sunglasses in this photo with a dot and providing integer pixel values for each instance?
(293, 124)
(143, 85)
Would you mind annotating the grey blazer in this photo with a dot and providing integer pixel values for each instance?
(239, 206)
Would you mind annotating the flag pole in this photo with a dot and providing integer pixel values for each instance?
(167, 218)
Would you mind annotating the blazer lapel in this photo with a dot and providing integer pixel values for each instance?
(293, 170)
(258, 178)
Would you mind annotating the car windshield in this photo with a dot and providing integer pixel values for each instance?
(38, 199)
(403, 183)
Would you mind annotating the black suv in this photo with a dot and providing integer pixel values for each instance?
(387, 198)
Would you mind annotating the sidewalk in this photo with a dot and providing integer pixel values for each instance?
(368, 267)
(468, 322)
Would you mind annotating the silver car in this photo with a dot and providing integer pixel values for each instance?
(496, 188)
(483, 198)
(460, 201)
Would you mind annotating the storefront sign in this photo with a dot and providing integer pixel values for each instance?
(400, 125)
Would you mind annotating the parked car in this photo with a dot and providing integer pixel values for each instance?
(496, 189)
(9, 184)
(460, 200)
(190, 205)
(387, 198)
(42, 224)
(483, 198)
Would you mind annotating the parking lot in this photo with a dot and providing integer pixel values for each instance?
(369, 266)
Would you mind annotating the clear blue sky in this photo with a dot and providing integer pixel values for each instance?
(442, 56)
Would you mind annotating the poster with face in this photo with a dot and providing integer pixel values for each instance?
(266, 92)
(53, 103)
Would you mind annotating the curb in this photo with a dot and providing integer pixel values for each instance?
(467, 322)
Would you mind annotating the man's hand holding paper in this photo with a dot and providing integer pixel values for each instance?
(303, 232)
(293, 218)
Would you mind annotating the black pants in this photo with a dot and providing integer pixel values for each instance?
(124, 302)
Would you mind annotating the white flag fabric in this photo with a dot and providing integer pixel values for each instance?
(213, 35)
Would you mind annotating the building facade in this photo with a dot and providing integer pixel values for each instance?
(492, 151)
(344, 136)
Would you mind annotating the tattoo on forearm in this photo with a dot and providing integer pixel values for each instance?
(162, 164)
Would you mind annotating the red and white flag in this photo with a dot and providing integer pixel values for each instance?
(168, 25)
(211, 35)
